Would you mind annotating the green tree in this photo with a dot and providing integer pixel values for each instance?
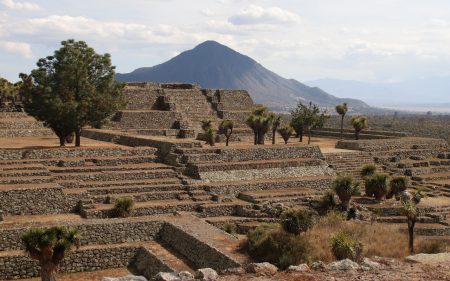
(209, 132)
(72, 88)
(345, 187)
(297, 124)
(275, 124)
(49, 247)
(226, 128)
(310, 116)
(260, 121)
(342, 109)
(286, 132)
(359, 123)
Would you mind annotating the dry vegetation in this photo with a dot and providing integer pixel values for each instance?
(418, 125)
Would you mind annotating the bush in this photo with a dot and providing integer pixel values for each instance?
(377, 185)
(368, 170)
(295, 221)
(269, 243)
(397, 185)
(344, 245)
(328, 202)
(230, 228)
(122, 207)
(345, 187)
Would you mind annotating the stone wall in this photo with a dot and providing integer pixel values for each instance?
(147, 119)
(19, 266)
(148, 264)
(198, 252)
(141, 98)
(112, 231)
(35, 201)
(233, 100)
(271, 152)
(393, 144)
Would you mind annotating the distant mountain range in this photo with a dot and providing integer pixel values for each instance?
(216, 66)
(434, 91)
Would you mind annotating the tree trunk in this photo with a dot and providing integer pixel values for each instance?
(62, 141)
(357, 135)
(309, 135)
(255, 138)
(227, 139)
(411, 224)
(342, 127)
(48, 272)
(273, 136)
(78, 137)
(261, 137)
(301, 137)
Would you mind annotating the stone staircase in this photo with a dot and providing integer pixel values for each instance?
(349, 163)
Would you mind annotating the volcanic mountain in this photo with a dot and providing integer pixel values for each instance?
(215, 66)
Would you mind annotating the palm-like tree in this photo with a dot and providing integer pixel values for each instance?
(286, 132)
(410, 211)
(345, 188)
(50, 247)
(226, 128)
(359, 123)
(210, 132)
(260, 122)
(342, 109)
(275, 124)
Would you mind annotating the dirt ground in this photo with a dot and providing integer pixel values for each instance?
(46, 142)
(89, 276)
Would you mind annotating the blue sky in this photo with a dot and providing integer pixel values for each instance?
(366, 40)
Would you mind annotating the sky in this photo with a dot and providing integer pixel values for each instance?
(365, 40)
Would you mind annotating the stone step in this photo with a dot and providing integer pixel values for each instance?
(430, 177)
(117, 175)
(259, 196)
(124, 184)
(24, 173)
(24, 166)
(235, 187)
(136, 159)
(403, 219)
(200, 158)
(26, 180)
(416, 171)
(104, 168)
(143, 208)
(44, 185)
(142, 196)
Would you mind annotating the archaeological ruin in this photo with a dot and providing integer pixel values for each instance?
(184, 190)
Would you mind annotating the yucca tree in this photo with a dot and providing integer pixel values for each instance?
(209, 132)
(345, 187)
(410, 211)
(226, 128)
(298, 126)
(342, 109)
(359, 123)
(50, 247)
(286, 132)
(275, 124)
(260, 121)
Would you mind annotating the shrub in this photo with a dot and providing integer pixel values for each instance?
(269, 243)
(344, 245)
(209, 132)
(368, 170)
(295, 221)
(286, 132)
(328, 202)
(122, 207)
(377, 185)
(345, 187)
(230, 228)
(397, 185)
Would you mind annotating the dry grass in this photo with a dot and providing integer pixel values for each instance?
(378, 239)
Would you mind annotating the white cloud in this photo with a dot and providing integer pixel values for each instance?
(24, 6)
(207, 12)
(258, 15)
(16, 48)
